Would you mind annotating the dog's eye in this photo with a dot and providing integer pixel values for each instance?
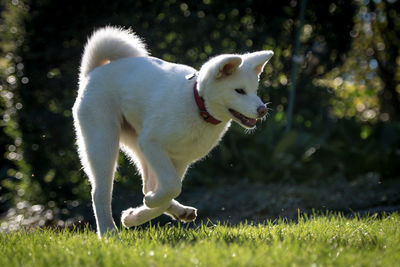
(240, 91)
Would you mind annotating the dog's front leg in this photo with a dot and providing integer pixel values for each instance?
(169, 184)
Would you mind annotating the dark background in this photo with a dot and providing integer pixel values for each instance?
(342, 151)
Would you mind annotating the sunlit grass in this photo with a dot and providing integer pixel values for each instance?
(317, 240)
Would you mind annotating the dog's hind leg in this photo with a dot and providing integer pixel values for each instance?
(98, 141)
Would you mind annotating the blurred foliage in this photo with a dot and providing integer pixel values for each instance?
(346, 107)
(367, 85)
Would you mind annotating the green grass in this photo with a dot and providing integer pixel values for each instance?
(331, 240)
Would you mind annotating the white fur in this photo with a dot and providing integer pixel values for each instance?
(145, 106)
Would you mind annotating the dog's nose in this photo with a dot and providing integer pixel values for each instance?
(262, 110)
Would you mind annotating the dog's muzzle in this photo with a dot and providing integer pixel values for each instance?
(262, 110)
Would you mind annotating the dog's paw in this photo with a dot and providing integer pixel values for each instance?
(189, 215)
(129, 218)
(186, 214)
(108, 232)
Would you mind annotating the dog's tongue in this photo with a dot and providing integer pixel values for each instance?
(252, 122)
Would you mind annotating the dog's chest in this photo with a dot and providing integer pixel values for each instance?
(195, 144)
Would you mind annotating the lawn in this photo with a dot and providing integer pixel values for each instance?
(325, 240)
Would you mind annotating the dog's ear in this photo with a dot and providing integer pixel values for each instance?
(258, 60)
(228, 65)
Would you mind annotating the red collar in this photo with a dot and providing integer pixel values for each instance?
(202, 108)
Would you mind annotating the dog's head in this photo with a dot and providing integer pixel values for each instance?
(229, 83)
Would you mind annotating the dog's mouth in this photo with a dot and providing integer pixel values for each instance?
(246, 121)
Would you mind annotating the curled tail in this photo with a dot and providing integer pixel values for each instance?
(109, 44)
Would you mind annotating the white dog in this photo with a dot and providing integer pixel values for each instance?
(164, 116)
